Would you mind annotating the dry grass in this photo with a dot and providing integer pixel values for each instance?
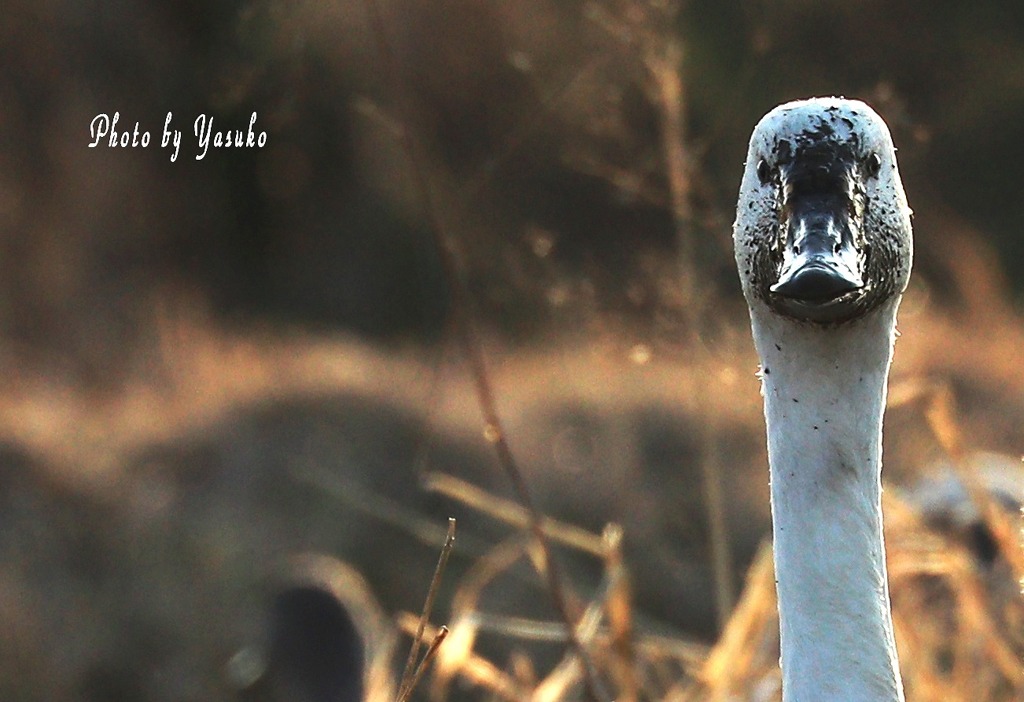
(958, 625)
(959, 622)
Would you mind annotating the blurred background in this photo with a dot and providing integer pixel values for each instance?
(227, 378)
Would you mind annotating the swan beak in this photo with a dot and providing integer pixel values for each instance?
(820, 263)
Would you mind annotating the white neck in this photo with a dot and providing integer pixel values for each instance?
(824, 391)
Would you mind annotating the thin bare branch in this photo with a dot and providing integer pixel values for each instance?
(410, 676)
(471, 346)
(428, 657)
(511, 513)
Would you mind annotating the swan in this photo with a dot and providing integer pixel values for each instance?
(823, 246)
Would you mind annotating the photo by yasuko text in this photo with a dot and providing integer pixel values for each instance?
(104, 131)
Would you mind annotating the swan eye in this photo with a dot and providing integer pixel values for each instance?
(764, 172)
(872, 165)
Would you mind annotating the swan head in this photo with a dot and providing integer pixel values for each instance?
(822, 230)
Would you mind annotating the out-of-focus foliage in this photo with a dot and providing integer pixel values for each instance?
(211, 366)
(542, 132)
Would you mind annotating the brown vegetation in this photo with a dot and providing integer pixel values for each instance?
(233, 376)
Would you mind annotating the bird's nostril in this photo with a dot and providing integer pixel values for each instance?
(835, 248)
(796, 249)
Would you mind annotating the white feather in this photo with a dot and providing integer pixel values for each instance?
(824, 389)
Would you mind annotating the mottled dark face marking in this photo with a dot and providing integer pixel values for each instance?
(824, 246)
